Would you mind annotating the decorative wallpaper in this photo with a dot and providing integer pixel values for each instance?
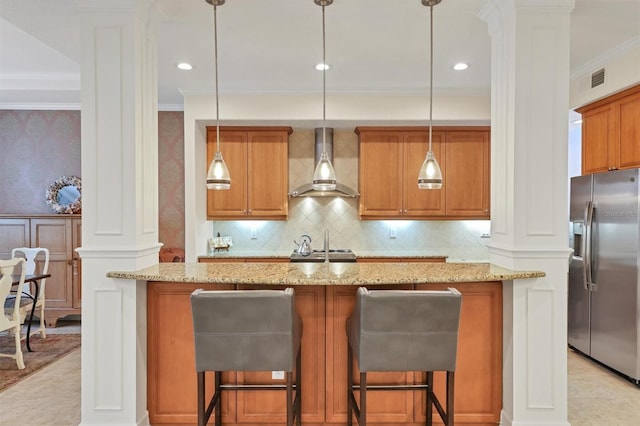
(171, 178)
(29, 141)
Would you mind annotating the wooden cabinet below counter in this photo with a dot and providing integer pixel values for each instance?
(390, 160)
(611, 132)
(323, 310)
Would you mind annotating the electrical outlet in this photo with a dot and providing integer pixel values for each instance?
(392, 233)
(277, 375)
(254, 234)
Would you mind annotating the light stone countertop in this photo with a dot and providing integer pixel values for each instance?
(324, 274)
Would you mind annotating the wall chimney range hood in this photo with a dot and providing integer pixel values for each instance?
(307, 190)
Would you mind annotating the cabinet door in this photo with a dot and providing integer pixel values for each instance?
(171, 381)
(422, 202)
(13, 233)
(231, 203)
(55, 234)
(627, 112)
(76, 233)
(467, 174)
(478, 385)
(380, 176)
(268, 174)
(382, 406)
(269, 406)
(596, 133)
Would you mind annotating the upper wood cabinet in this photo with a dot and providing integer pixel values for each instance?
(467, 174)
(611, 132)
(390, 159)
(257, 158)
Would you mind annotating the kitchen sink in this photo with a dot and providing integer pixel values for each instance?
(318, 255)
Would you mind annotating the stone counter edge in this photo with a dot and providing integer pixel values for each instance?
(324, 274)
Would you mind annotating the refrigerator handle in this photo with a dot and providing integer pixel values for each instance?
(588, 222)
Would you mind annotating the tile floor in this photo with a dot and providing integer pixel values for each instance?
(597, 397)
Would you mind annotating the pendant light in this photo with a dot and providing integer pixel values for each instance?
(324, 177)
(218, 175)
(430, 176)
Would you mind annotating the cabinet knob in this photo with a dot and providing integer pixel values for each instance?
(486, 210)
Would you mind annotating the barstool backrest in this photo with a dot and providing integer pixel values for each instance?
(245, 330)
(405, 330)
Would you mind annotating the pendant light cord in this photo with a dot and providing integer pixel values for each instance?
(431, 79)
(215, 55)
(324, 87)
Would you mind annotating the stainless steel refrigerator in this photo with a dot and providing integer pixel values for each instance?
(604, 319)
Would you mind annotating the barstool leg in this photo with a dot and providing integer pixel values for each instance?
(218, 407)
(289, 375)
(429, 380)
(200, 375)
(450, 386)
(362, 421)
(299, 387)
(349, 385)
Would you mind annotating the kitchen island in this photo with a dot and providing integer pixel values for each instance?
(325, 295)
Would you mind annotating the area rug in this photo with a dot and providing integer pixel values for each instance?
(45, 351)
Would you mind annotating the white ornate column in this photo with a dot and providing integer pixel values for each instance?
(529, 206)
(120, 204)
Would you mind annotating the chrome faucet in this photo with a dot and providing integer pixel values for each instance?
(326, 246)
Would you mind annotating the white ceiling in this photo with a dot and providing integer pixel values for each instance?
(273, 46)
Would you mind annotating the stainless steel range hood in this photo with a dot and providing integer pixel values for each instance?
(307, 190)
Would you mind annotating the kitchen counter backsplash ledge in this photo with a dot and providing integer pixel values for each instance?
(248, 254)
(324, 274)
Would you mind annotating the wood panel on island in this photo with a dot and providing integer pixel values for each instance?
(390, 159)
(61, 234)
(611, 132)
(323, 310)
(257, 158)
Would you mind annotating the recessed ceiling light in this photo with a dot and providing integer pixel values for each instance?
(322, 67)
(460, 66)
(184, 66)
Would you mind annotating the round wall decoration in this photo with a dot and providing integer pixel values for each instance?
(64, 195)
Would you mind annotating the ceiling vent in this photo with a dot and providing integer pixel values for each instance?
(597, 78)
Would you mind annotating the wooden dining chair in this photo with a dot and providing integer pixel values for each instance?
(11, 322)
(34, 257)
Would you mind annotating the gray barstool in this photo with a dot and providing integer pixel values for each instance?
(403, 330)
(246, 330)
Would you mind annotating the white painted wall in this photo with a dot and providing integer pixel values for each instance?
(622, 70)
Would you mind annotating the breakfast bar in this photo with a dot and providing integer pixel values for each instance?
(325, 296)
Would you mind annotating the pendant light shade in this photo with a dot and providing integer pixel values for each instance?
(430, 175)
(324, 177)
(218, 175)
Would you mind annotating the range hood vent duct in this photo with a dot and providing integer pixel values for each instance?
(307, 190)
